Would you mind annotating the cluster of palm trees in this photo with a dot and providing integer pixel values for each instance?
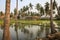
(26, 10)
(6, 32)
(41, 10)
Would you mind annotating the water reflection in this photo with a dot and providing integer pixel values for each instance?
(16, 29)
(58, 23)
(21, 31)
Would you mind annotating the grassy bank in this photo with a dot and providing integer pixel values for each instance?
(30, 21)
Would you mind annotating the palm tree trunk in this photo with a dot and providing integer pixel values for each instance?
(16, 10)
(6, 32)
(16, 18)
(51, 17)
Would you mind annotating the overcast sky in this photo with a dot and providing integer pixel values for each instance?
(23, 3)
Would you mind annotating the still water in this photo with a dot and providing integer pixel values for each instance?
(27, 31)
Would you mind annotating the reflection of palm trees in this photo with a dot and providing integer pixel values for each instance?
(25, 30)
(47, 31)
(6, 32)
(21, 26)
(31, 36)
(16, 29)
(39, 33)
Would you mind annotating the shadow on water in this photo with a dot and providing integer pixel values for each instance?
(21, 31)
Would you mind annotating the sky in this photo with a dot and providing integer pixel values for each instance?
(23, 3)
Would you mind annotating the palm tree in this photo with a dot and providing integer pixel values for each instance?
(16, 9)
(16, 15)
(1, 13)
(38, 7)
(47, 8)
(51, 18)
(54, 4)
(27, 8)
(41, 10)
(28, 13)
(11, 15)
(6, 32)
(24, 9)
(59, 10)
(30, 5)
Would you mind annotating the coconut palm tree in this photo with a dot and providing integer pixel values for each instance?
(28, 13)
(16, 15)
(41, 10)
(6, 32)
(54, 4)
(38, 7)
(30, 5)
(47, 8)
(24, 9)
(58, 11)
(11, 15)
(16, 9)
(27, 8)
(51, 18)
(1, 13)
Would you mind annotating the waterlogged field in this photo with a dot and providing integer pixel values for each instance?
(29, 29)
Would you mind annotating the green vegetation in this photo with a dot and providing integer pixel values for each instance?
(1, 21)
(31, 21)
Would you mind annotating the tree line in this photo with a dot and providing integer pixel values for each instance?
(26, 10)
